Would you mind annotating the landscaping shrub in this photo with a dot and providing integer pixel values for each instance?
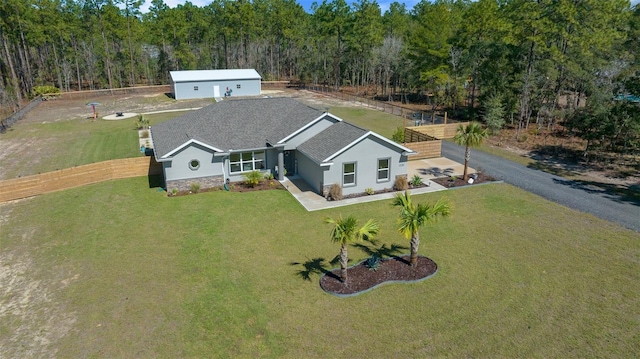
(398, 135)
(142, 122)
(42, 90)
(369, 191)
(195, 187)
(401, 184)
(253, 178)
(335, 192)
(373, 263)
(416, 180)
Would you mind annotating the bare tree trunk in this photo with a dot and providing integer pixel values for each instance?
(29, 80)
(132, 81)
(14, 77)
(75, 51)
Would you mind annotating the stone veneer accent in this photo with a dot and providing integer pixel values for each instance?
(205, 182)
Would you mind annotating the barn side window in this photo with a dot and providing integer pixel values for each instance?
(195, 88)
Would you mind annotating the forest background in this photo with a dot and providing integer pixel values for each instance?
(568, 63)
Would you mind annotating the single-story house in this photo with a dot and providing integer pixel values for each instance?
(214, 83)
(281, 136)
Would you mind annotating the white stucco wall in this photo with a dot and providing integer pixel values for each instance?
(366, 154)
(178, 168)
(185, 90)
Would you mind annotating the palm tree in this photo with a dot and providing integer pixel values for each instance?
(346, 231)
(413, 216)
(470, 136)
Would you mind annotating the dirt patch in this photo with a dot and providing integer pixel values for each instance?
(62, 109)
(33, 318)
(556, 152)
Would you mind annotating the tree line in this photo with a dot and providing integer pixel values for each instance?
(525, 61)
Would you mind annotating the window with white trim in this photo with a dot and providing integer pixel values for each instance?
(238, 86)
(383, 169)
(195, 88)
(246, 161)
(349, 174)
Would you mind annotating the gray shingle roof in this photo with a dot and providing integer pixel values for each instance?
(234, 124)
(209, 75)
(331, 140)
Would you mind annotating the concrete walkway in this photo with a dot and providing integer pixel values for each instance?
(427, 169)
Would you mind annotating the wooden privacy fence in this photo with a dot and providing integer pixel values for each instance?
(425, 149)
(29, 186)
(437, 131)
(427, 140)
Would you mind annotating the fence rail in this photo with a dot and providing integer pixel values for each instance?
(418, 117)
(110, 92)
(30, 186)
(11, 120)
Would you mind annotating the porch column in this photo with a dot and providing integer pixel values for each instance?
(280, 164)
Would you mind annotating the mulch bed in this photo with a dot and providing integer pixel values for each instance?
(361, 279)
(236, 187)
(459, 182)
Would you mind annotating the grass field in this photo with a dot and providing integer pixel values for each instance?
(120, 270)
(377, 121)
(65, 144)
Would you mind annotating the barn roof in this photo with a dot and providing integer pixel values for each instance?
(214, 75)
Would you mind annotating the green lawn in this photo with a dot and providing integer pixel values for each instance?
(129, 272)
(374, 120)
(64, 144)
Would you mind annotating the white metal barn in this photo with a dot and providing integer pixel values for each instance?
(214, 83)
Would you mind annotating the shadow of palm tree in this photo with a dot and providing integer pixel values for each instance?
(314, 266)
(381, 252)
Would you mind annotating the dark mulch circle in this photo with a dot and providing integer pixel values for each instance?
(361, 279)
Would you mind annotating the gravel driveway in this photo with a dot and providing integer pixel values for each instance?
(597, 200)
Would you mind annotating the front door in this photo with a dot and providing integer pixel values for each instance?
(216, 91)
(290, 162)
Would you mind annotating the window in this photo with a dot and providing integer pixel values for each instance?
(195, 88)
(194, 165)
(349, 174)
(383, 169)
(238, 86)
(246, 161)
